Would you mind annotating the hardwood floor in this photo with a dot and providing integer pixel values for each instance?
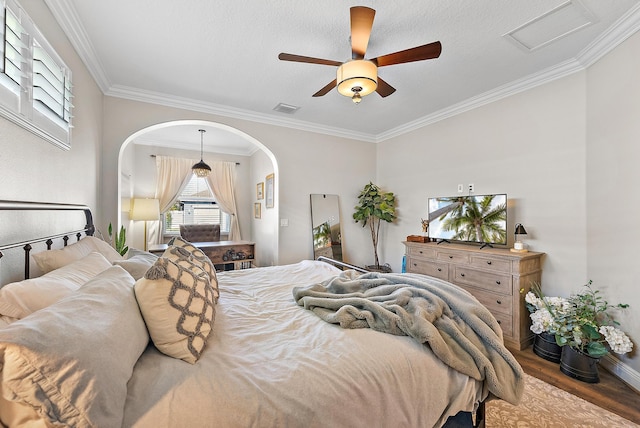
(610, 393)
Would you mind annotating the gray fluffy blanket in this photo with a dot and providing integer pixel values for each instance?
(459, 330)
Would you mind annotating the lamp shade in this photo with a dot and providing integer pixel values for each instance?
(362, 74)
(145, 209)
(201, 169)
(520, 230)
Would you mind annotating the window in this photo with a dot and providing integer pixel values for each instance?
(196, 205)
(35, 84)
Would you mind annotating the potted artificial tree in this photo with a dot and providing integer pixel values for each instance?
(373, 206)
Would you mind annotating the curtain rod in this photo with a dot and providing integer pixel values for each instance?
(153, 156)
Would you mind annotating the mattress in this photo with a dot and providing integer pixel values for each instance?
(271, 363)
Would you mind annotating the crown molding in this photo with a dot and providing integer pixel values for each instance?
(136, 94)
(625, 27)
(501, 92)
(64, 12)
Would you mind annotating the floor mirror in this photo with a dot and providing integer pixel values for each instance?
(325, 223)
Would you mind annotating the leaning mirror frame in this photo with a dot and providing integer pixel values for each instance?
(325, 226)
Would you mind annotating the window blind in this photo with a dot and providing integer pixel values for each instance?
(51, 87)
(35, 84)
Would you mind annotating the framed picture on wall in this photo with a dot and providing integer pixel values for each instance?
(257, 210)
(260, 190)
(269, 191)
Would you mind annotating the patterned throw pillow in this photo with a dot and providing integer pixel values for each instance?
(199, 257)
(178, 304)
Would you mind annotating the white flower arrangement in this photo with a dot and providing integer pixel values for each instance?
(542, 309)
(582, 321)
(618, 341)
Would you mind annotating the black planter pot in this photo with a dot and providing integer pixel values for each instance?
(385, 268)
(579, 366)
(545, 346)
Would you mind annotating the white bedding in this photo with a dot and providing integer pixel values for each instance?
(270, 363)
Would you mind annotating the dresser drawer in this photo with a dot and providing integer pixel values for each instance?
(496, 282)
(506, 323)
(431, 268)
(422, 252)
(495, 276)
(492, 263)
(495, 303)
(452, 257)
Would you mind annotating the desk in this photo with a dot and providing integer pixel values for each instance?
(221, 253)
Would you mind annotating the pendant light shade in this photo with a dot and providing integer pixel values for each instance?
(201, 169)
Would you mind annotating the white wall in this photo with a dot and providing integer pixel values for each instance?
(566, 153)
(613, 177)
(266, 227)
(308, 163)
(530, 146)
(35, 170)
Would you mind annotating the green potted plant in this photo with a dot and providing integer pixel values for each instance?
(374, 206)
(587, 326)
(584, 328)
(120, 240)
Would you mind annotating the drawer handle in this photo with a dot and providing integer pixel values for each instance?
(450, 257)
(415, 264)
(488, 262)
(499, 302)
(420, 251)
(439, 269)
(499, 322)
(461, 274)
(498, 282)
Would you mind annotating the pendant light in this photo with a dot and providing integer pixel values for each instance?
(201, 169)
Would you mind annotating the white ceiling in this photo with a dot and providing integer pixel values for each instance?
(221, 56)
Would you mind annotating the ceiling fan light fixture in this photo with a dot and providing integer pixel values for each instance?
(355, 74)
(356, 98)
(201, 169)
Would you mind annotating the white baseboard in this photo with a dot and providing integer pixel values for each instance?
(622, 371)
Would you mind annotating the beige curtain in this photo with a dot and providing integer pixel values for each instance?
(173, 174)
(222, 183)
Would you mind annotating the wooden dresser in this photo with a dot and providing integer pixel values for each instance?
(494, 276)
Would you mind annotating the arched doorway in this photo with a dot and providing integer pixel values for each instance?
(181, 138)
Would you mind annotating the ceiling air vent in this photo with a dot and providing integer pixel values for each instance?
(286, 108)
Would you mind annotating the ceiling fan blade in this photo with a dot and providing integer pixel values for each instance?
(419, 53)
(326, 89)
(361, 23)
(307, 59)
(384, 89)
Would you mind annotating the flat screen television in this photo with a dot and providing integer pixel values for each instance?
(473, 218)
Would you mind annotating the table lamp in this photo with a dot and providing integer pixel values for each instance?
(518, 245)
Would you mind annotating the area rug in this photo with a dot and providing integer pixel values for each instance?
(544, 405)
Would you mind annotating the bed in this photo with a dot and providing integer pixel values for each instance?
(270, 358)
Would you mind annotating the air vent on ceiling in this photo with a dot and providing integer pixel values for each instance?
(552, 26)
(286, 108)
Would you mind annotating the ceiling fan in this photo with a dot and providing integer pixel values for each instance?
(359, 76)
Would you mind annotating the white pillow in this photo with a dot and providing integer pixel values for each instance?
(138, 263)
(54, 259)
(71, 362)
(20, 299)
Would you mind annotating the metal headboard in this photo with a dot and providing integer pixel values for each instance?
(338, 263)
(89, 228)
